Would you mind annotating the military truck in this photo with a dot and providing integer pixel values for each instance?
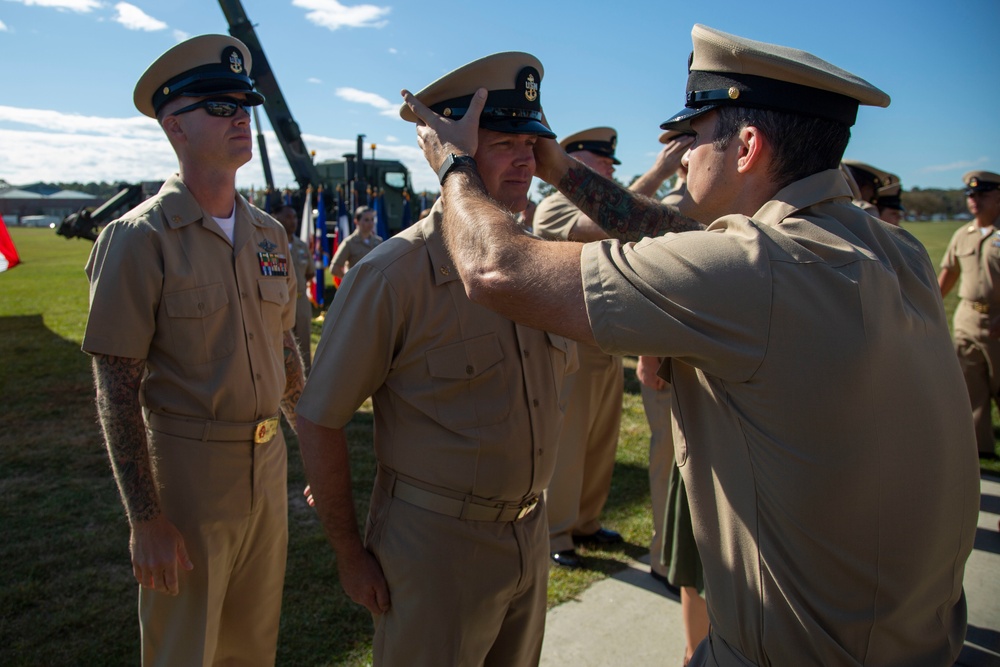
(354, 174)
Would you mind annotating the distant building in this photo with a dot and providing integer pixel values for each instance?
(39, 199)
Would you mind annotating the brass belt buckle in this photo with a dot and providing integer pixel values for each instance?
(983, 308)
(526, 510)
(265, 430)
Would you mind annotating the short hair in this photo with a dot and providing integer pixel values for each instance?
(281, 207)
(803, 145)
(361, 210)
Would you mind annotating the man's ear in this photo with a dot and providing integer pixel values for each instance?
(752, 149)
(172, 126)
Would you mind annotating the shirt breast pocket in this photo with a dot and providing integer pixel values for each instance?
(199, 323)
(469, 383)
(273, 297)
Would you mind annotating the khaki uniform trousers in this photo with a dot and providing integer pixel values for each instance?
(303, 330)
(588, 440)
(229, 500)
(656, 404)
(463, 593)
(979, 357)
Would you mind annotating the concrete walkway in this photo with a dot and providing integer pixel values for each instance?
(631, 619)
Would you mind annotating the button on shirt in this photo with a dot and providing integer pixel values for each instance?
(207, 316)
(464, 399)
(827, 449)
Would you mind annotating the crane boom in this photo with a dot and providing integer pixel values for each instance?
(284, 125)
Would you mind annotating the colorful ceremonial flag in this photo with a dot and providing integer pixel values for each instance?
(343, 218)
(381, 218)
(407, 216)
(321, 253)
(8, 253)
(306, 224)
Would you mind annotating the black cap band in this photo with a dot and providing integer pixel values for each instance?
(747, 90)
(604, 148)
(206, 80)
(506, 111)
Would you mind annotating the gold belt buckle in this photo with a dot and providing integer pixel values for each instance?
(265, 430)
(983, 308)
(526, 510)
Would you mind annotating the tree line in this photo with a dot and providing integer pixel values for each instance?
(919, 203)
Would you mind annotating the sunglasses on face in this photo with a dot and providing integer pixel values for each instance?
(218, 108)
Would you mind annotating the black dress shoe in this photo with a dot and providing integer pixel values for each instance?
(602, 536)
(666, 582)
(568, 558)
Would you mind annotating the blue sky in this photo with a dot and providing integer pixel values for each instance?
(68, 67)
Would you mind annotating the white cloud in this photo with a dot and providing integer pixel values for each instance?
(391, 139)
(75, 124)
(313, 79)
(82, 6)
(962, 164)
(393, 51)
(44, 145)
(180, 35)
(3, 27)
(134, 18)
(333, 15)
(385, 107)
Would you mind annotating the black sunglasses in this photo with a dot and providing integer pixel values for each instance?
(219, 108)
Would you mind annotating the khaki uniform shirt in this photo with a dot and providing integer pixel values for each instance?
(464, 399)
(208, 317)
(555, 217)
(976, 256)
(823, 420)
(353, 249)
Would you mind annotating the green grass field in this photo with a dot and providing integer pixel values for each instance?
(66, 589)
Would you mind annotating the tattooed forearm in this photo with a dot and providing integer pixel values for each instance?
(622, 214)
(294, 377)
(117, 381)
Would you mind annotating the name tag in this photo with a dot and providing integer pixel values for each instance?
(273, 264)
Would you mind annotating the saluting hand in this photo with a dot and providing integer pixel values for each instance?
(157, 547)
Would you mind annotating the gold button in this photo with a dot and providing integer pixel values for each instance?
(469, 370)
(734, 92)
(447, 112)
(445, 271)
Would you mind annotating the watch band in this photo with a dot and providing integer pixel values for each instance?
(453, 161)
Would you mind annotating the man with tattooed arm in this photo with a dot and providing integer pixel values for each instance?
(832, 518)
(192, 309)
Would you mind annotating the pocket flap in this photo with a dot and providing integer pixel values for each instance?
(273, 290)
(466, 359)
(197, 302)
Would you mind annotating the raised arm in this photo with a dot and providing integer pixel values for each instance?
(668, 160)
(156, 545)
(624, 215)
